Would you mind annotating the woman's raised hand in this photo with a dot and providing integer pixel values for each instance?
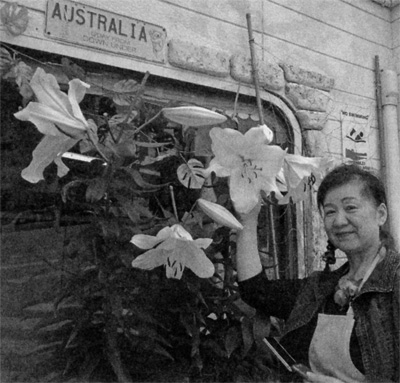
(251, 216)
(247, 257)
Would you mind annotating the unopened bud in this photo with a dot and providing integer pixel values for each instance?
(261, 134)
(219, 214)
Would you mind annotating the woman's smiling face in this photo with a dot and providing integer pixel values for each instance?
(351, 218)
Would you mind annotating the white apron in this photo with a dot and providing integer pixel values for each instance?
(329, 352)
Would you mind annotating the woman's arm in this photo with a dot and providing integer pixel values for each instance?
(276, 297)
(248, 261)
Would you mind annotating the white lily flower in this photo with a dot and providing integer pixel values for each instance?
(59, 117)
(55, 113)
(248, 160)
(299, 174)
(176, 249)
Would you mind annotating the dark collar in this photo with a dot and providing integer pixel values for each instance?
(382, 278)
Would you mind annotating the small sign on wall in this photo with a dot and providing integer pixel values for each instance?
(355, 133)
(83, 25)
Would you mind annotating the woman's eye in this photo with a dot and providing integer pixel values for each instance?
(351, 208)
(329, 213)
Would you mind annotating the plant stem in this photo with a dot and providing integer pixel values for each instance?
(148, 122)
(189, 213)
(94, 141)
(133, 103)
(171, 189)
(113, 352)
(254, 68)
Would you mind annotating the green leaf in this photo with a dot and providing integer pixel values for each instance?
(23, 74)
(125, 90)
(72, 70)
(68, 187)
(247, 335)
(144, 316)
(6, 62)
(191, 174)
(137, 177)
(122, 118)
(151, 144)
(88, 366)
(55, 327)
(261, 328)
(156, 348)
(233, 340)
(148, 160)
(135, 209)
(96, 189)
(214, 346)
(44, 348)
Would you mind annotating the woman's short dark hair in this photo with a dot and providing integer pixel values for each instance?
(373, 187)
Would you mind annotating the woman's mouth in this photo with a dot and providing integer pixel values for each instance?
(343, 235)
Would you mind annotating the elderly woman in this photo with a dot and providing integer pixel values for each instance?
(343, 324)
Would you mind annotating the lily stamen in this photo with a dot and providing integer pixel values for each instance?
(249, 170)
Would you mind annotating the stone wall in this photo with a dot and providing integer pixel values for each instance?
(307, 91)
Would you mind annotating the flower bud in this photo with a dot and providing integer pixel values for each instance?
(219, 214)
(193, 116)
(261, 133)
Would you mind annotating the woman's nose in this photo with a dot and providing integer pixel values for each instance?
(340, 218)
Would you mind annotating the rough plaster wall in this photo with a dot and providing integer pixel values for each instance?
(339, 38)
(396, 46)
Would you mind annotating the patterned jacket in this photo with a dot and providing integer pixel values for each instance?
(376, 311)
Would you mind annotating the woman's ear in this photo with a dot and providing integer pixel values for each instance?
(382, 214)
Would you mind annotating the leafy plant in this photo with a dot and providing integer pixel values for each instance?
(120, 316)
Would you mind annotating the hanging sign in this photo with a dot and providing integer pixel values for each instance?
(355, 130)
(101, 30)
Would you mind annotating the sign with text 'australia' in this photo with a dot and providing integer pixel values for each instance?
(83, 25)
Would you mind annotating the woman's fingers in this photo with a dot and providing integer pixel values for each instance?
(252, 214)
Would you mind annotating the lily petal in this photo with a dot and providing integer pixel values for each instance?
(300, 174)
(268, 158)
(261, 134)
(244, 194)
(76, 92)
(202, 243)
(145, 241)
(49, 149)
(176, 250)
(297, 167)
(180, 233)
(45, 118)
(296, 194)
(171, 243)
(192, 257)
(47, 91)
(165, 233)
(199, 263)
(150, 259)
(227, 144)
(217, 168)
